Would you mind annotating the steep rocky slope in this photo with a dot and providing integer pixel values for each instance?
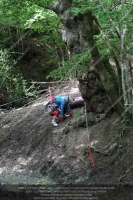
(33, 151)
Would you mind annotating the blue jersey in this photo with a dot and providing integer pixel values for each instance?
(62, 103)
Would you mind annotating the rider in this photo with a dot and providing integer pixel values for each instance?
(61, 102)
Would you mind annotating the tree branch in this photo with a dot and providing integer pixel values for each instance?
(105, 38)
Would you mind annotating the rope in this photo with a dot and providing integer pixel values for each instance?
(107, 145)
(87, 122)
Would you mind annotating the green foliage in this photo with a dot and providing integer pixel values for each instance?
(104, 51)
(120, 12)
(82, 6)
(17, 87)
(10, 81)
(78, 64)
(16, 17)
(5, 68)
(78, 115)
(28, 14)
(36, 16)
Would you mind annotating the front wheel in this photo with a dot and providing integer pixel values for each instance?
(48, 108)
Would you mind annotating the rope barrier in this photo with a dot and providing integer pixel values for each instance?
(109, 144)
(39, 92)
(87, 122)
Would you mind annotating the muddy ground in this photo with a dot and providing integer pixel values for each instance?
(34, 152)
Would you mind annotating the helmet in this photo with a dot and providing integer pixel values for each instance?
(53, 99)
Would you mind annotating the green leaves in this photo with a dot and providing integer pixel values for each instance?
(10, 81)
(16, 17)
(76, 11)
(5, 68)
(36, 16)
(67, 71)
(28, 14)
(80, 7)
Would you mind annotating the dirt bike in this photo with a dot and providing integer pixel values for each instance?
(50, 107)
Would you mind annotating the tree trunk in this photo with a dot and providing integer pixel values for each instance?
(101, 67)
(97, 85)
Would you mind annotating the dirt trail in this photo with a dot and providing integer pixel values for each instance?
(33, 151)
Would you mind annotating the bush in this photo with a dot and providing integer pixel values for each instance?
(11, 81)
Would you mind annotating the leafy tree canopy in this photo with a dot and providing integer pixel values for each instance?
(113, 19)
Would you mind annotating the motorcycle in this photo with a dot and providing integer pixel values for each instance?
(76, 102)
